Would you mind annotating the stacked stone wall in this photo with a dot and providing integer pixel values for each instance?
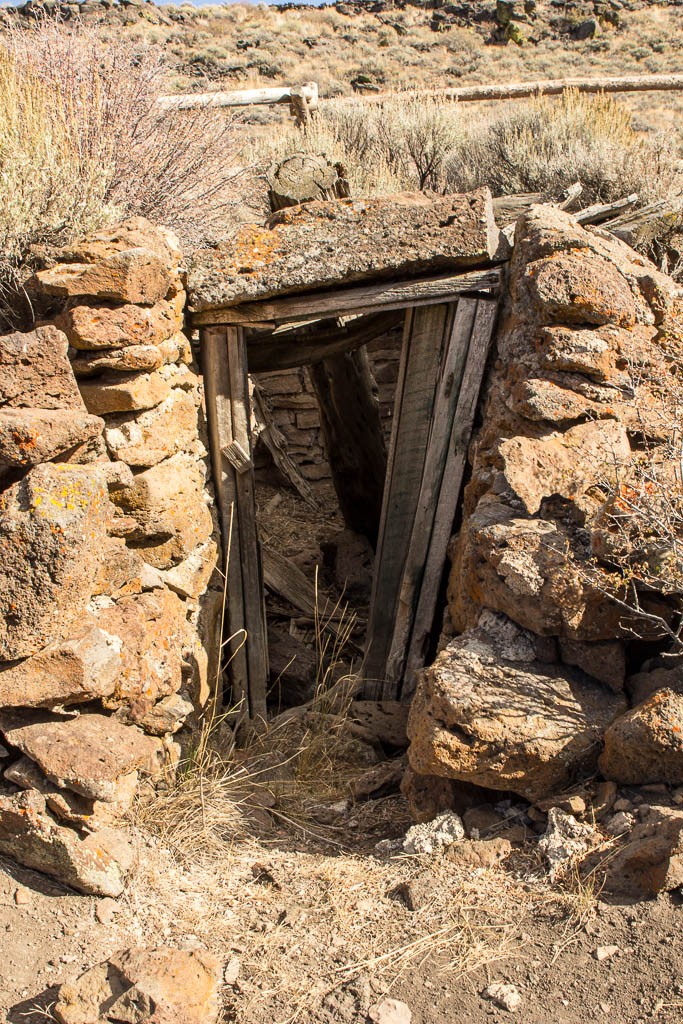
(108, 610)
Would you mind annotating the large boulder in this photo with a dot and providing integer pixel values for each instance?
(35, 371)
(646, 744)
(53, 524)
(96, 864)
(90, 753)
(488, 712)
(161, 986)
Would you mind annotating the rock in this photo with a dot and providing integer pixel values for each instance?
(137, 358)
(231, 971)
(605, 661)
(565, 841)
(580, 288)
(152, 630)
(434, 835)
(603, 800)
(479, 853)
(605, 952)
(485, 713)
(390, 1011)
(170, 986)
(22, 897)
(82, 668)
(482, 820)
(619, 824)
(106, 910)
(504, 995)
(119, 392)
(35, 371)
(168, 715)
(71, 807)
(643, 685)
(90, 754)
(567, 464)
(95, 864)
(646, 744)
(652, 859)
(168, 504)
(145, 439)
(132, 275)
(52, 526)
(31, 436)
(350, 238)
(90, 328)
(132, 233)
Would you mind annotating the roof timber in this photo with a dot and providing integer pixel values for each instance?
(354, 300)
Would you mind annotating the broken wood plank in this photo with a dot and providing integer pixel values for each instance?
(600, 212)
(363, 299)
(219, 422)
(354, 440)
(423, 342)
(450, 374)
(661, 216)
(238, 97)
(276, 443)
(449, 496)
(252, 576)
(305, 344)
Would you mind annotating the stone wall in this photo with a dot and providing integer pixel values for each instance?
(551, 679)
(107, 612)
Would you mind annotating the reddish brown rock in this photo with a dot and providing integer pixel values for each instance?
(132, 233)
(135, 358)
(643, 685)
(130, 275)
(652, 859)
(90, 754)
(580, 288)
(72, 671)
(157, 986)
(31, 436)
(604, 661)
(487, 713)
(52, 526)
(146, 439)
(152, 631)
(35, 371)
(124, 392)
(103, 327)
(95, 864)
(646, 744)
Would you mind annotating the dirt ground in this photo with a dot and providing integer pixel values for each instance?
(308, 922)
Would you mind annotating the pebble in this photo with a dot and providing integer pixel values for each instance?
(22, 897)
(622, 804)
(605, 952)
(390, 1011)
(504, 995)
(231, 971)
(106, 909)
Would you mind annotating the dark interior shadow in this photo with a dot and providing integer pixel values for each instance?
(35, 1009)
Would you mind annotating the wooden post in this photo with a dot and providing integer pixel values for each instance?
(227, 408)
(354, 441)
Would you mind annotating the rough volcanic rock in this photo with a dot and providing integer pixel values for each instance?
(190, 578)
(345, 241)
(31, 436)
(605, 661)
(130, 275)
(81, 668)
(167, 503)
(580, 288)
(487, 713)
(168, 715)
(643, 685)
(123, 392)
(146, 439)
(52, 526)
(646, 744)
(135, 358)
(96, 864)
(35, 371)
(91, 328)
(90, 754)
(70, 807)
(132, 233)
(159, 986)
(652, 859)
(152, 631)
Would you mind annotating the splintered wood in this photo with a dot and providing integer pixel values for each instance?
(444, 355)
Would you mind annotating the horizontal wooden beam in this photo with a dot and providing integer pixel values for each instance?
(242, 97)
(364, 299)
(548, 87)
(288, 349)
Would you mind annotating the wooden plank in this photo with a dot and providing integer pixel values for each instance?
(359, 299)
(604, 211)
(276, 443)
(219, 422)
(450, 492)
(423, 345)
(240, 97)
(354, 439)
(449, 379)
(252, 576)
(301, 346)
